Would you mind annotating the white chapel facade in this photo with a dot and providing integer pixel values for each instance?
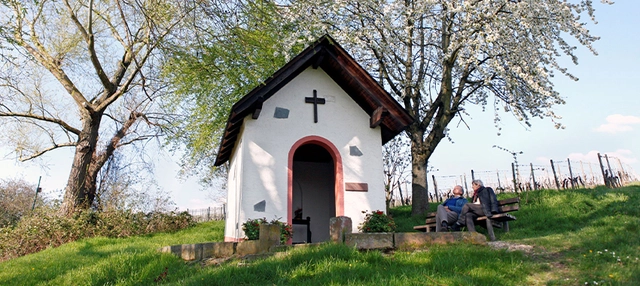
(309, 143)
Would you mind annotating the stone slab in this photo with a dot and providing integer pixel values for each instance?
(218, 249)
(339, 227)
(417, 240)
(365, 241)
(249, 247)
(188, 252)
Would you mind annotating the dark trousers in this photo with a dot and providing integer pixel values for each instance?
(469, 213)
(443, 215)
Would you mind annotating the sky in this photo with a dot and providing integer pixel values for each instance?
(601, 115)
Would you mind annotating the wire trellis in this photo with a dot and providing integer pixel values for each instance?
(564, 174)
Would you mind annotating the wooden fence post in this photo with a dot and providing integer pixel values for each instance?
(604, 173)
(515, 182)
(533, 176)
(553, 168)
(466, 186)
(473, 176)
(622, 172)
(613, 183)
(435, 186)
(570, 173)
(498, 175)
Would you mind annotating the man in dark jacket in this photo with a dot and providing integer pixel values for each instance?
(484, 203)
(448, 211)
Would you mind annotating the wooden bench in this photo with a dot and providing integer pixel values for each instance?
(500, 220)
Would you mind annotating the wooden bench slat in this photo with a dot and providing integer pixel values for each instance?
(507, 209)
(509, 201)
(497, 220)
(499, 217)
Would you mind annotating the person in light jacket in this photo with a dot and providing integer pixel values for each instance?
(450, 209)
(483, 203)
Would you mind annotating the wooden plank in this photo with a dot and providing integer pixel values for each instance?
(489, 225)
(356, 187)
(509, 201)
(377, 116)
(421, 227)
(430, 221)
(257, 108)
(507, 209)
(430, 215)
(498, 217)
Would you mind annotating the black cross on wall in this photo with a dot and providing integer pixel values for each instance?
(315, 100)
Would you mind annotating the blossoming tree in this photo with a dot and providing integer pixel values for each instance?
(437, 56)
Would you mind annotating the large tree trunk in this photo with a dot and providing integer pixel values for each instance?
(419, 195)
(81, 185)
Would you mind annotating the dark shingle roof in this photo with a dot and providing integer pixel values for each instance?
(342, 68)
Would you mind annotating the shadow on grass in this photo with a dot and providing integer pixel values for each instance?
(332, 264)
(100, 261)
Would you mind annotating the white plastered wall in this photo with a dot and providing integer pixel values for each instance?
(262, 155)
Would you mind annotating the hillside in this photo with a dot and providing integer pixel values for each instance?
(571, 237)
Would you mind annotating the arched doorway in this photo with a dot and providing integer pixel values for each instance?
(315, 186)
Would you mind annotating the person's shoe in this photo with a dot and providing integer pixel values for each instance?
(456, 227)
(444, 225)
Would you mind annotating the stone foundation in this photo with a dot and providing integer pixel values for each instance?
(340, 228)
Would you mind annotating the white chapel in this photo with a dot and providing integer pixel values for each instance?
(308, 144)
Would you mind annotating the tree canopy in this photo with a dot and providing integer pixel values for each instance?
(83, 75)
(434, 56)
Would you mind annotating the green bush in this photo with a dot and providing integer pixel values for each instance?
(251, 229)
(44, 228)
(377, 221)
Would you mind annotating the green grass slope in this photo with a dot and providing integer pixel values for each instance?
(578, 236)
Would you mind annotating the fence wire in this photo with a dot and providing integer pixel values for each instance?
(208, 214)
(561, 174)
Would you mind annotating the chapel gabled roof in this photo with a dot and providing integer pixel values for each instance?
(343, 69)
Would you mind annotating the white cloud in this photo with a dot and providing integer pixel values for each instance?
(617, 123)
(621, 119)
(626, 156)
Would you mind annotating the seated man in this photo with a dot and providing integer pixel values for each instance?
(448, 211)
(483, 203)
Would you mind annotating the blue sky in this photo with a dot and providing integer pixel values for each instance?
(602, 114)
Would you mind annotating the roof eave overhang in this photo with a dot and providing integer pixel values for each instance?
(343, 69)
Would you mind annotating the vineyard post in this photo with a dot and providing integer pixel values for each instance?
(553, 168)
(533, 177)
(515, 182)
(570, 173)
(604, 173)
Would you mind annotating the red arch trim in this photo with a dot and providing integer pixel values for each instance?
(337, 167)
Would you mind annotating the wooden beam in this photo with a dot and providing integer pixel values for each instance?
(257, 108)
(377, 117)
(318, 60)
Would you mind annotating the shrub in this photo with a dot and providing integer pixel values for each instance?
(44, 228)
(251, 229)
(377, 221)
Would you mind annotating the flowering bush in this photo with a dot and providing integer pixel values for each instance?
(251, 229)
(377, 221)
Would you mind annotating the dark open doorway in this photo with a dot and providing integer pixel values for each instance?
(313, 191)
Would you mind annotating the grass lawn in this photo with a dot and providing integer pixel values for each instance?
(577, 236)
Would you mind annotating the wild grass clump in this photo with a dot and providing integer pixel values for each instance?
(44, 228)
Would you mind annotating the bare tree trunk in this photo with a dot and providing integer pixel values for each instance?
(81, 188)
